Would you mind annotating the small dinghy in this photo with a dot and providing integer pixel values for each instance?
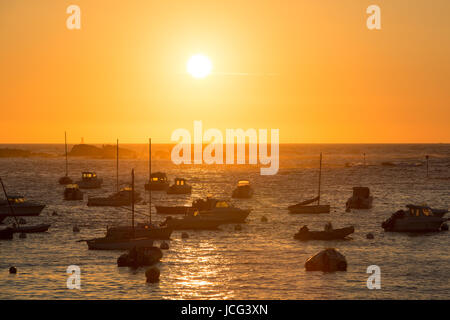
(31, 229)
(329, 234)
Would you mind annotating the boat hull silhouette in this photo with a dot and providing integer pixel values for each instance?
(314, 209)
(335, 234)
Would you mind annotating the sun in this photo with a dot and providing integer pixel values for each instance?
(199, 66)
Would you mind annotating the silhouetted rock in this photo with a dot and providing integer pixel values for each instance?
(105, 152)
(152, 274)
(328, 260)
(18, 153)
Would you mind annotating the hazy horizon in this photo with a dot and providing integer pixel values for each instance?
(313, 70)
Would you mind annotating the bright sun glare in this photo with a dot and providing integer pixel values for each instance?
(199, 66)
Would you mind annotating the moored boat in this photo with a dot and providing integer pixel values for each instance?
(18, 206)
(415, 219)
(305, 234)
(306, 207)
(89, 180)
(73, 192)
(158, 182)
(191, 222)
(141, 230)
(220, 210)
(31, 229)
(118, 244)
(118, 199)
(179, 187)
(361, 199)
(243, 190)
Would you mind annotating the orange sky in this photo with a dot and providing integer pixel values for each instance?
(309, 68)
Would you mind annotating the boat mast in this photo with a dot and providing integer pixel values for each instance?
(132, 200)
(320, 177)
(9, 204)
(150, 180)
(65, 145)
(117, 167)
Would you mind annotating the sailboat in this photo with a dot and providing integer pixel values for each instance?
(120, 197)
(148, 230)
(121, 240)
(306, 207)
(65, 180)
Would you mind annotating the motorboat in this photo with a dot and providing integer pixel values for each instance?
(304, 234)
(220, 210)
(158, 182)
(361, 199)
(243, 190)
(414, 219)
(18, 206)
(73, 192)
(179, 187)
(118, 199)
(306, 207)
(191, 222)
(89, 180)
